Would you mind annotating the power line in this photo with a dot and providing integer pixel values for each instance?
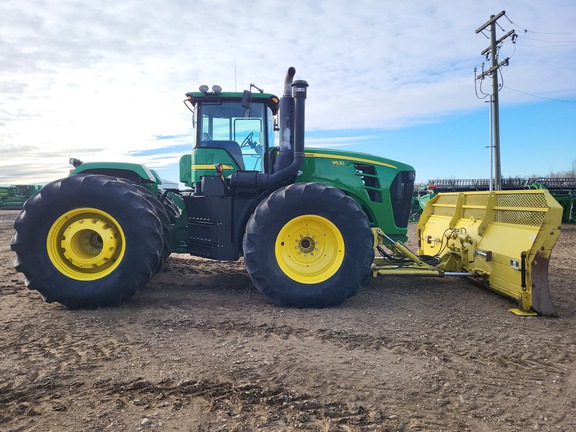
(540, 97)
(546, 46)
(546, 40)
(479, 87)
(535, 32)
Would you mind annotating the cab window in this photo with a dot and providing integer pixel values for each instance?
(227, 124)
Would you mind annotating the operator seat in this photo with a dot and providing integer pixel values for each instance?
(232, 147)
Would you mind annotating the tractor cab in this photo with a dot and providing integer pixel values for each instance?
(232, 132)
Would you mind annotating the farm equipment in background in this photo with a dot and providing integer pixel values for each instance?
(422, 194)
(563, 189)
(13, 197)
(311, 224)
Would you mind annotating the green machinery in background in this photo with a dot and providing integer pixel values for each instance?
(13, 197)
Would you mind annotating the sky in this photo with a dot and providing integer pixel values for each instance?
(105, 80)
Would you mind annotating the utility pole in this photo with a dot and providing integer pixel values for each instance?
(491, 140)
(495, 125)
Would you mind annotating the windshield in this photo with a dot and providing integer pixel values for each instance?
(227, 124)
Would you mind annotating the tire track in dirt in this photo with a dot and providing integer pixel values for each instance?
(453, 372)
(51, 351)
(516, 358)
(268, 406)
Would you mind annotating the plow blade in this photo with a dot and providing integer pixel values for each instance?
(503, 239)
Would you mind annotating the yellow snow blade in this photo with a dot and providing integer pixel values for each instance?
(502, 238)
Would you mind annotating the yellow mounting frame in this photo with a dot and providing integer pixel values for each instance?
(500, 239)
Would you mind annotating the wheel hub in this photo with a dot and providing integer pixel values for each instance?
(307, 245)
(85, 244)
(309, 249)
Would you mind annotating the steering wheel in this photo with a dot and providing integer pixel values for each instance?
(248, 141)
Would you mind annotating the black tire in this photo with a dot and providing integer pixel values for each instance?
(308, 245)
(166, 230)
(172, 209)
(87, 241)
(162, 216)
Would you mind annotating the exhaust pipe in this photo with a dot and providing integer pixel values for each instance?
(286, 110)
(299, 90)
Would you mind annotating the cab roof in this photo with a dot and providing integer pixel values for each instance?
(198, 96)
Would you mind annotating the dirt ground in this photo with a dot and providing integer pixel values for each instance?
(201, 350)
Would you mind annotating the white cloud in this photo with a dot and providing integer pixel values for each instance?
(103, 79)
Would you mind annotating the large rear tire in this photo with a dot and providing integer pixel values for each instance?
(308, 245)
(88, 241)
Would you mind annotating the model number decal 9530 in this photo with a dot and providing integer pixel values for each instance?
(342, 158)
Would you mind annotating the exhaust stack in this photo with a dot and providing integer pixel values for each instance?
(286, 110)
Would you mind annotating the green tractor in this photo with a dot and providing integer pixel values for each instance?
(311, 224)
(302, 219)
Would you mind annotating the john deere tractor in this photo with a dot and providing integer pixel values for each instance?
(311, 224)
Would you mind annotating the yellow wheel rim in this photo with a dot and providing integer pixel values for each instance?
(309, 249)
(85, 244)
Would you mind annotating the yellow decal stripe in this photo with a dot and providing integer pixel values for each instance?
(206, 167)
(350, 158)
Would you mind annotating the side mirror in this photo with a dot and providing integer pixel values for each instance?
(246, 99)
